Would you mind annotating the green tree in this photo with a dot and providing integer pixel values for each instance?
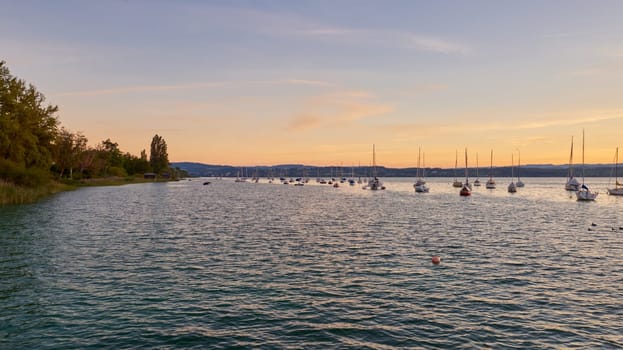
(69, 149)
(28, 127)
(158, 158)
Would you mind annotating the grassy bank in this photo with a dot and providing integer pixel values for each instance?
(14, 194)
(111, 181)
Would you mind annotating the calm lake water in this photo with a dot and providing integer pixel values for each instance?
(182, 265)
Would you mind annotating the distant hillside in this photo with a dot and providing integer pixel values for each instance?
(297, 170)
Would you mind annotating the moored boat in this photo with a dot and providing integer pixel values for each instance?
(456, 182)
(466, 190)
(420, 184)
(572, 183)
(584, 193)
(512, 188)
(491, 182)
(618, 187)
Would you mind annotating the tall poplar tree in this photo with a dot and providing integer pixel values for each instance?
(158, 158)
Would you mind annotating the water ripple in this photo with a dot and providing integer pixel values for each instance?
(265, 266)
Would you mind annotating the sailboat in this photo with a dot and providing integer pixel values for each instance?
(466, 190)
(423, 168)
(584, 194)
(351, 180)
(300, 181)
(491, 183)
(477, 182)
(512, 188)
(456, 182)
(519, 182)
(374, 183)
(359, 171)
(420, 184)
(572, 183)
(241, 177)
(618, 187)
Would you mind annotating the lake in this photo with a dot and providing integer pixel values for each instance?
(243, 265)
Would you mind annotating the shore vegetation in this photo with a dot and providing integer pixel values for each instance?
(39, 157)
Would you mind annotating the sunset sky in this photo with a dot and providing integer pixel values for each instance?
(318, 82)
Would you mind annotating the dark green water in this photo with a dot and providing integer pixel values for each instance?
(241, 265)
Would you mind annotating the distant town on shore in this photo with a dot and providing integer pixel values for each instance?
(297, 170)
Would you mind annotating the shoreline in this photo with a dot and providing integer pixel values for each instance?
(11, 194)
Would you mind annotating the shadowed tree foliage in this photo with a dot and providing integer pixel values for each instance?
(33, 146)
(70, 148)
(159, 158)
(28, 130)
(28, 127)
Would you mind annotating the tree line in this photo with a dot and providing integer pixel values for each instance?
(34, 147)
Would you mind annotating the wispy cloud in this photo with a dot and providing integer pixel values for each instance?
(437, 45)
(285, 24)
(139, 88)
(423, 88)
(304, 121)
(592, 117)
(538, 122)
(190, 86)
(336, 109)
(386, 38)
(305, 82)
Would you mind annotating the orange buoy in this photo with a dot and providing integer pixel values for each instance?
(436, 260)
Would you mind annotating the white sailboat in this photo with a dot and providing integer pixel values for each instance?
(584, 193)
(466, 190)
(241, 177)
(572, 183)
(519, 182)
(477, 182)
(618, 187)
(374, 184)
(512, 188)
(420, 184)
(456, 182)
(491, 183)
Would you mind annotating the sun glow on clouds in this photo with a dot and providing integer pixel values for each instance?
(336, 110)
(541, 137)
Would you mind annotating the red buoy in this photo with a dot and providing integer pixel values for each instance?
(436, 260)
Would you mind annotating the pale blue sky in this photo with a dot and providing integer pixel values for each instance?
(317, 82)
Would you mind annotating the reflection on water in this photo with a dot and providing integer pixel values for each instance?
(262, 265)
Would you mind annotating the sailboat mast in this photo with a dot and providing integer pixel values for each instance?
(616, 164)
(456, 163)
(512, 167)
(466, 180)
(418, 172)
(582, 156)
(571, 160)
(373, 161)
(491, 166)
(518, 163)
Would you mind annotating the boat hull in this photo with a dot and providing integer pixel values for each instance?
(421, 188)
(465, 191)
(585, 195)
(615, 191)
